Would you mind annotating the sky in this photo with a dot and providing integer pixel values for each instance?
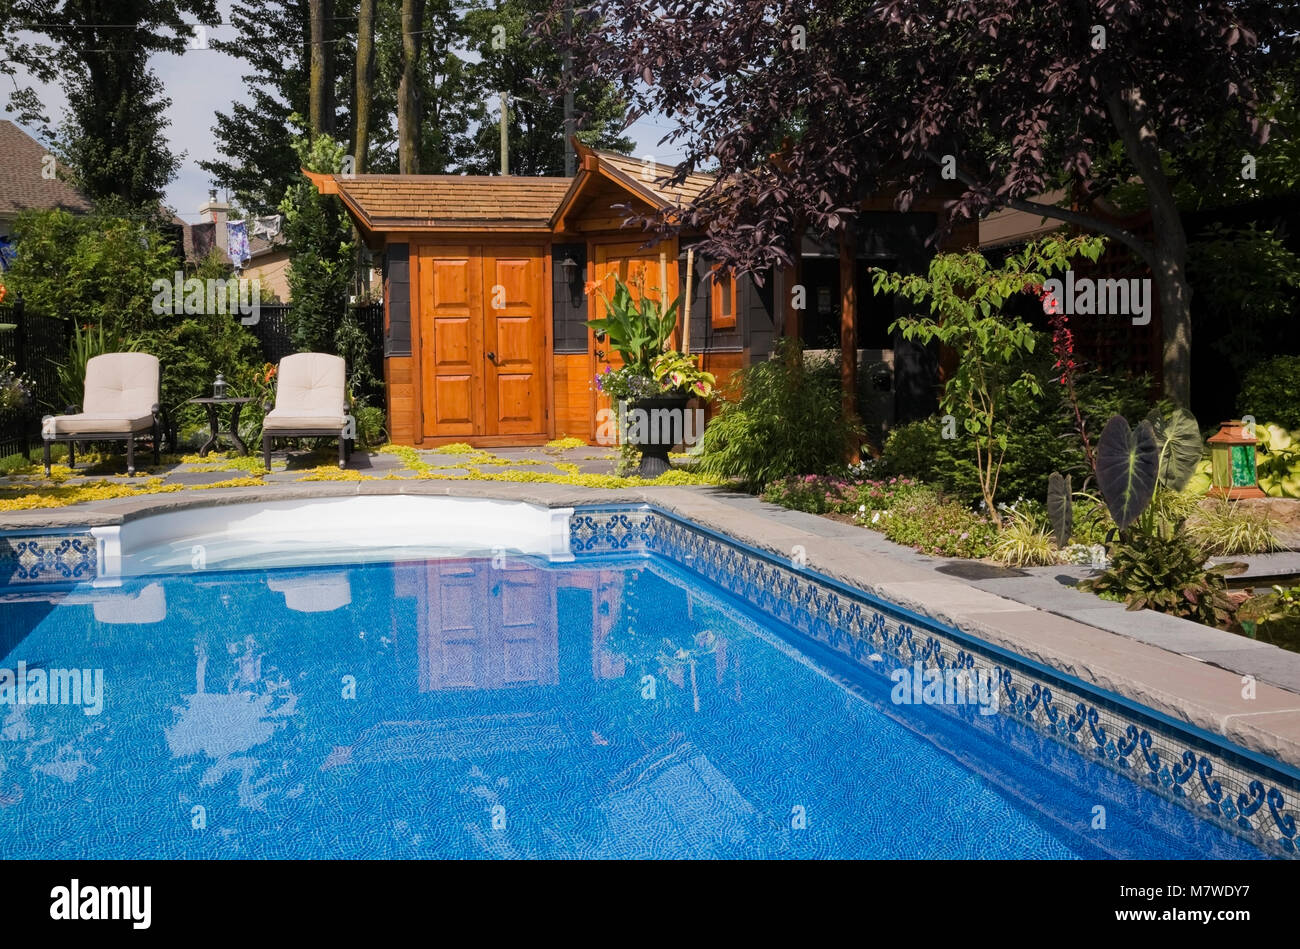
(203, 82)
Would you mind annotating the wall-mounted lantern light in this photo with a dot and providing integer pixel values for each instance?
(573, 277)
(1232, 462)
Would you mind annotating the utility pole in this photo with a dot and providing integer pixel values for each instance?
(570, 129)
(505, 133)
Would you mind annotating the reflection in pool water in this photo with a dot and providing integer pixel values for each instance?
(448, 708)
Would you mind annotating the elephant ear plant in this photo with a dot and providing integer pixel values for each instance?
(1060, 507)
(1154, 562)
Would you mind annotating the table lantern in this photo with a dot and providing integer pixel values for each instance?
(1232, 462)
(219, 387)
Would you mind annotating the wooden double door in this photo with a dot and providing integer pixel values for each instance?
(483, 628)
(483, 341)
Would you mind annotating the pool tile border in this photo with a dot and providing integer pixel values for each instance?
(1217, 782)
(48, 557)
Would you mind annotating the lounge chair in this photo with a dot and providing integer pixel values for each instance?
(120, 403)
(310, 401)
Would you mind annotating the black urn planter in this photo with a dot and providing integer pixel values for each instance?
(657, 431)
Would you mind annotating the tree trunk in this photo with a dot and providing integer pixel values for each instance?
(1128, 111)
(408, 89)
(320, 113)
(848, 333)
(365, 82)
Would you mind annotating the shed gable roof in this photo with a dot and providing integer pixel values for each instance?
(388, 201)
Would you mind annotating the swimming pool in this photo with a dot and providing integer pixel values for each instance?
(614, 704)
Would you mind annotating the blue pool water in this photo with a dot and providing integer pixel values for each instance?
(450, 708)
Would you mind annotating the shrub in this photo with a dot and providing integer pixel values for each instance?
(321, 251)
(370, 426)
(1091, 522)
(787, 420)
(828, 494)
(1042, 434)
(97, 268)
(1272, 391)
(937, 526)
(191, 351)
(813, 494)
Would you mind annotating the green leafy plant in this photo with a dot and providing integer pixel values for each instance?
(829, 494)
(678, 372)
(1178, 437)
(1162, 452)
(1271, 391)
(1245, 279)
(1128, 464)
(788, 419)
(87, 342)
(637, 327)
(965, 294)
(322, 253)
(1164, 570)
(370, 426)
(1044, 437)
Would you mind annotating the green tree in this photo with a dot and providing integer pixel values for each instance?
(511, 61)
(259, 163)
(321, 249)
(114, 136)
(966, 294)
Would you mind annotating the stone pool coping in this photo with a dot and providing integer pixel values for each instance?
(1173, 666)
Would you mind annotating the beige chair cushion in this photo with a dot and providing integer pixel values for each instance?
(280, 420)
(311, 387)
(121, 385)
(96, 423)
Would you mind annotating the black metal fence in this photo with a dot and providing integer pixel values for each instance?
(273, 332)
(37, 345)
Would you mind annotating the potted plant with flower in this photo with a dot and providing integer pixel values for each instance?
(653, 387)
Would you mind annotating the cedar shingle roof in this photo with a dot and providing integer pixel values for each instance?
(653, 178)
(21, 186)
(453, 200)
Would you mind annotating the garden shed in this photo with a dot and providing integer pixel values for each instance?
(485, 309)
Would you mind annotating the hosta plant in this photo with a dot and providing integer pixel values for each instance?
(1164, 570)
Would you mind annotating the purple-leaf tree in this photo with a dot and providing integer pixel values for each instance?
(804, 107)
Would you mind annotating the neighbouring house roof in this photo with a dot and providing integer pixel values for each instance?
(22, 186)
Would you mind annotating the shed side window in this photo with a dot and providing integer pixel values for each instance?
(722, 298)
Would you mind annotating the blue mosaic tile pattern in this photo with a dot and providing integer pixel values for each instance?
(1213, 782)
(47, 558)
